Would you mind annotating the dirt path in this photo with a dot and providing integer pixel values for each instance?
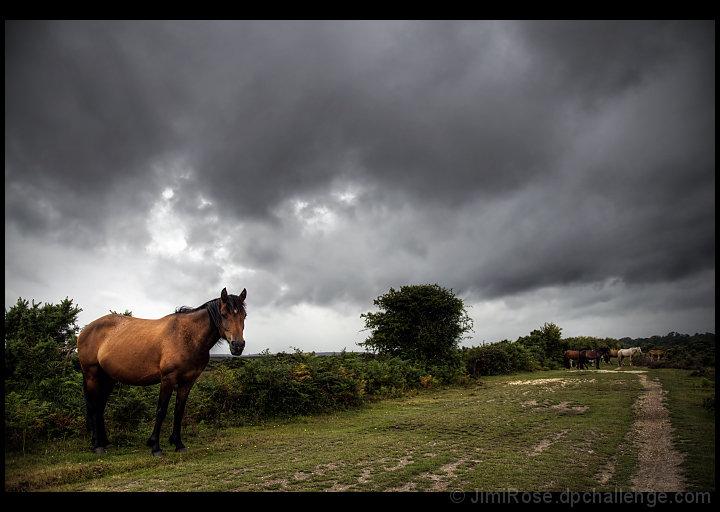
(659, 461)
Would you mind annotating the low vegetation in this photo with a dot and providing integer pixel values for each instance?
(281, 420)
(528, 431)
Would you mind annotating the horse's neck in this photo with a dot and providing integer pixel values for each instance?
(204, 333)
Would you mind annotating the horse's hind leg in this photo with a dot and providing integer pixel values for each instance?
(98, 387)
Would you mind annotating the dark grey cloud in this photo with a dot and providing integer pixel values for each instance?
(327, 161)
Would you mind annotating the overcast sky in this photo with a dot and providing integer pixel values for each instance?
(545, 171)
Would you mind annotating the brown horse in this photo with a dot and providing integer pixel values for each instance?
(594, 355)
(569, 356)
(657, 353)
(172, 350)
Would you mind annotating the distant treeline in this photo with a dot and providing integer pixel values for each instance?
(671, 339)
(543, 348)
(695, 352)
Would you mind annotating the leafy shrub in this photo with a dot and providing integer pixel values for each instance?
(213, 397)
(43, 385)
(418, 322)
(498, 359)
(25, 419)
(285, 385)
(129, 409)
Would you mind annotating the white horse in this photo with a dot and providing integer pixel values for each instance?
(627, 352)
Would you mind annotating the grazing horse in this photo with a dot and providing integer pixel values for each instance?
(627, 352)
(569, 356)
(172, 350)
(658, 353)
(613, 353)
(593, 355)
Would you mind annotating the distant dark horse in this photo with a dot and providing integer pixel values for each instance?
(172, 350)
(594, 355)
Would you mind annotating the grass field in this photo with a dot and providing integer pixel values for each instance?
(694, 425)
(555, 430)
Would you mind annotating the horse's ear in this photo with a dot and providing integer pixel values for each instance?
(223, 295)
(243, 294)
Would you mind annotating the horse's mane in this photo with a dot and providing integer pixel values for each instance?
(213, 308)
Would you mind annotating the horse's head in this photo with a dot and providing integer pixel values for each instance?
(232, 323)
(605, 354)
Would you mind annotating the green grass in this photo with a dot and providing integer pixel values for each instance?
(694, 424)
(552, 435)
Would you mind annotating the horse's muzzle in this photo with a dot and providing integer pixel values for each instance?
(237, 347)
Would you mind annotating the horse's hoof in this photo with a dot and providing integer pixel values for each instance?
(181, 450)
(99, 450)
(158, 453)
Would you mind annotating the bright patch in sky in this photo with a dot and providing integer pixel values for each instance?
(314, 217)
(165, 228)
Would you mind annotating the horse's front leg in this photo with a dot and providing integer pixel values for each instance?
(180, 400)
(166, 389)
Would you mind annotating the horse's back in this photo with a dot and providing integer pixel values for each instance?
(628, 351)
(93, 336)
(126, 348)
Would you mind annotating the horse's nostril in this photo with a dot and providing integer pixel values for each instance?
(236, 347)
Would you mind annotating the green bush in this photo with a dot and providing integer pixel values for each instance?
(43, 385)
(418, 322)
(545, 345)
(285, 385)
(498, 359)
(130, 409)
(25, 419)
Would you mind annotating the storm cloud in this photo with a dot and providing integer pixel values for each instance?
(546, 171)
